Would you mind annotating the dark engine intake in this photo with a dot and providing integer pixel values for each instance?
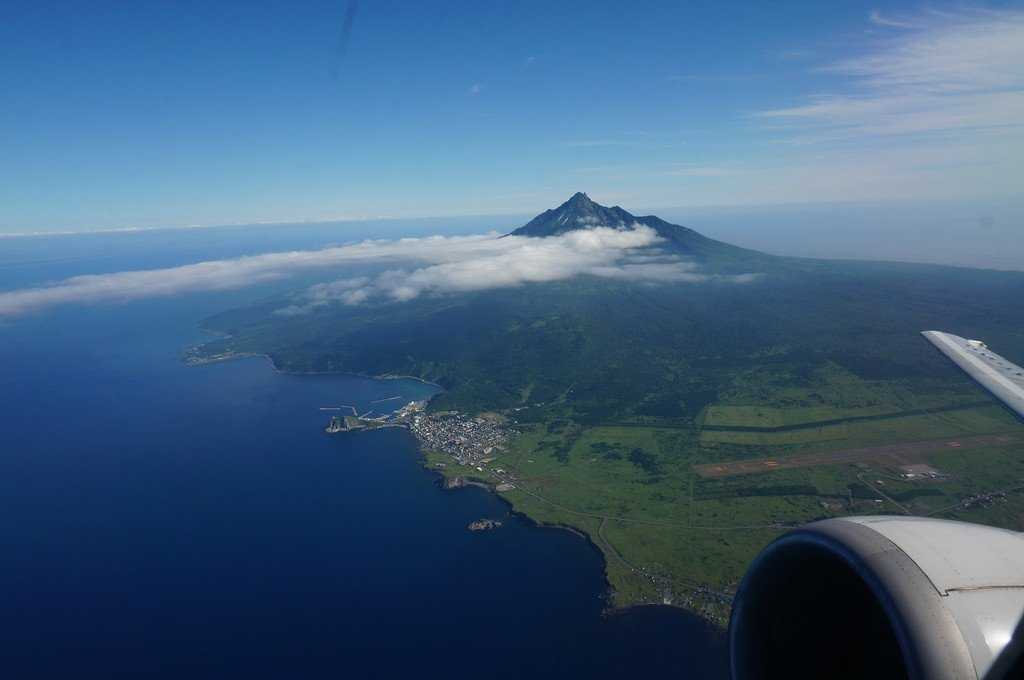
(879, 597)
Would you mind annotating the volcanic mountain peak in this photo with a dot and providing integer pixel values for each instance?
(580, 212)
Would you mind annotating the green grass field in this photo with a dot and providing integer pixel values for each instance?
(620, 387)
(669, 535)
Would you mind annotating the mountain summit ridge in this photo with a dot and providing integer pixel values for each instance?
(582, 212)
(579, 212)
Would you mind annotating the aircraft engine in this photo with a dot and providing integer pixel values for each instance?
(879, 597)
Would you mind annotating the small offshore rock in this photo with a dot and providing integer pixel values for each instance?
(484, 525)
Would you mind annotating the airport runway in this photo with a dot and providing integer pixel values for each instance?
(893, 454)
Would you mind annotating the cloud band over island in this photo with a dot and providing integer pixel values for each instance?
(429, 265)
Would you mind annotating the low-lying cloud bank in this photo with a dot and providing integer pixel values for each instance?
(448, 264)
(512, 261)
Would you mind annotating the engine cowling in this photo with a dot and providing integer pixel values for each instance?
(878, 597)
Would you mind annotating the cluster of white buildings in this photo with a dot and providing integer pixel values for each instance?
(470, 441)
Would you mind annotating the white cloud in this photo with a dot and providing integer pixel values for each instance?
(475, 89)
(933, 108)
(442, 264)
(228, 274)
(943, 73)
(350, 291)
(513, 261)
(876, 18)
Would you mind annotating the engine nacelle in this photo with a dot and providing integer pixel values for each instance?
(878, 597)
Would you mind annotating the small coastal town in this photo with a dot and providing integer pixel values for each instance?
(470, 440)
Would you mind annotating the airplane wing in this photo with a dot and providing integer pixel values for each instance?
(1000, 376)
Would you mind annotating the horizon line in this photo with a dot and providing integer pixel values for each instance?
(456, 215)
(235, 225)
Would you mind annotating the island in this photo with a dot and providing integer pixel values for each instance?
(681, 424)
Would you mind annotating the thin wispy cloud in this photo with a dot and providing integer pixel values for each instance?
(931, 107)
(695, 170)
(430, 265)
(938, 74)
(878, 19)
(795, 54)
(596, 143)
(475, 89)
(631, 139)
(714, 79)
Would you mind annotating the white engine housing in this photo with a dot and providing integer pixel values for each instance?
(879, 597)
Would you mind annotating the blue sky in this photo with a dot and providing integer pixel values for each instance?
(138, 114)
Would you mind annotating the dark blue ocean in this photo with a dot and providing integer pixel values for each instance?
(165, 521)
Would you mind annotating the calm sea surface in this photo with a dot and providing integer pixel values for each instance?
(174, 522)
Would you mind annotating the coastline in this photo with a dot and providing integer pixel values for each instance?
(277, 369)
(611, 607)
(537, 524)
(608, 595)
